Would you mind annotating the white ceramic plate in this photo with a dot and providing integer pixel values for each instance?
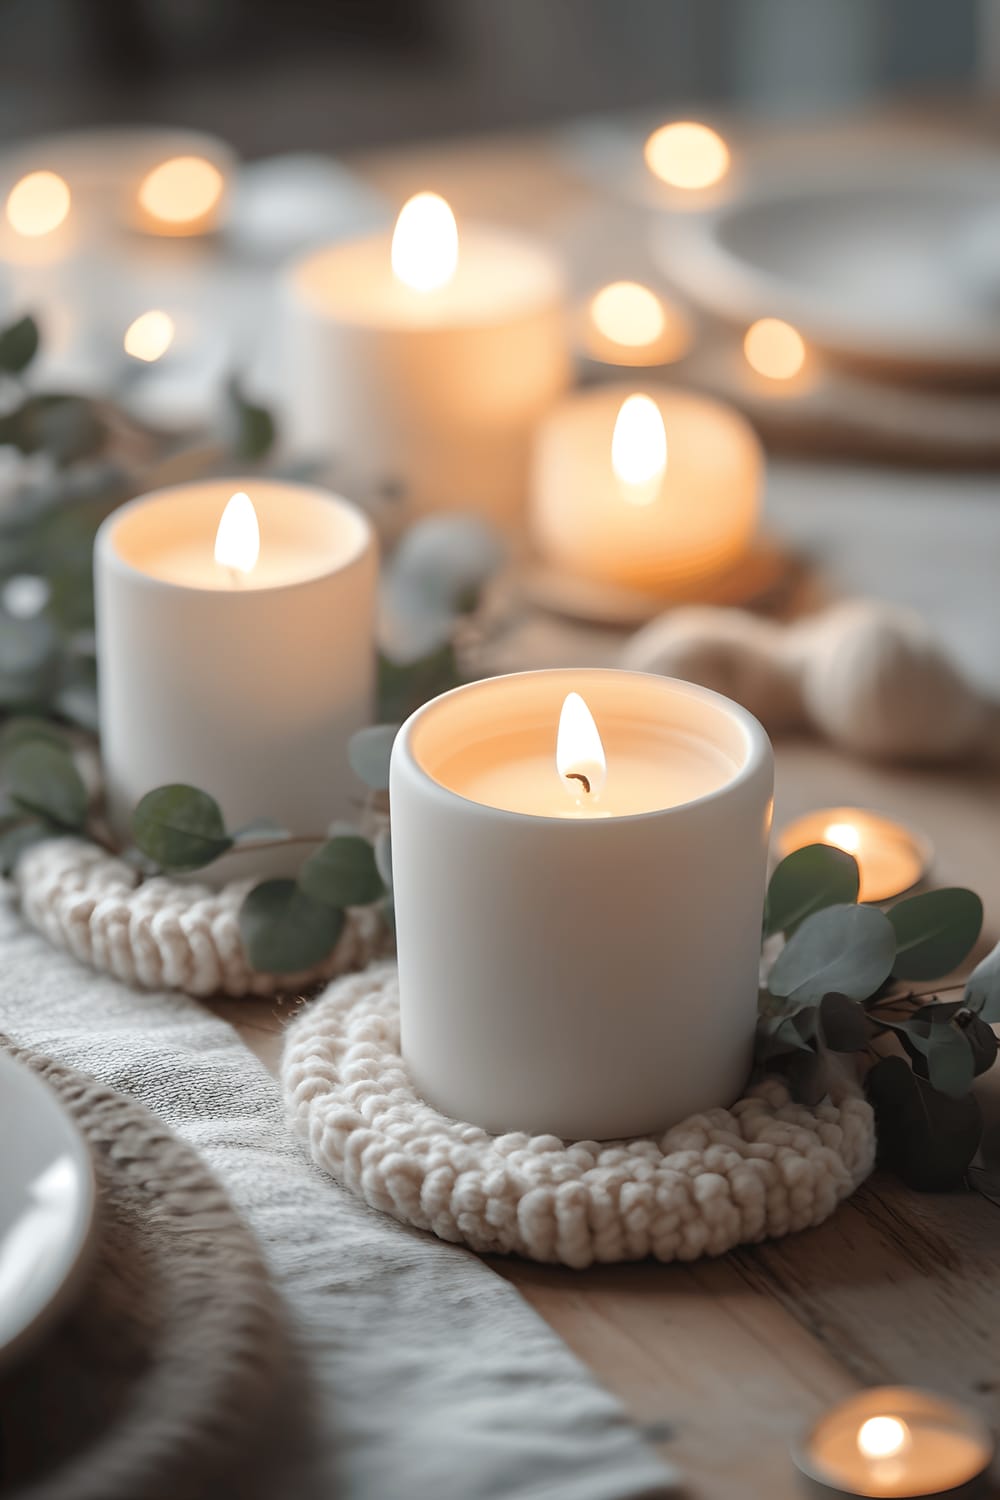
(46, 1206)
(879, 260)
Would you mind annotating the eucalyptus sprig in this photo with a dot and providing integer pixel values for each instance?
(843, 983)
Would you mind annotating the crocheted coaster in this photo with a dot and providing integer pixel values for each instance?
(167, 1376)
(162, 934)
(728, 1177)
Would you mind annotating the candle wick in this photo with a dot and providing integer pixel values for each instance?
(579, 776)
(235, 578)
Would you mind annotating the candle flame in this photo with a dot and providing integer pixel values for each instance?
(149, 337)
(237, 541)
(628, 314)
(639, 449)
(580, 759)
(181, 191)
(38, 204)
(883, 1437)
(774, 349)
(843, 835)
(686, 154)
(425, 243)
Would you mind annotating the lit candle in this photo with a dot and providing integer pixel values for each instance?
(891, 858)
(894, 1441)
(424, 359)
(626, 323)
(578, 863)
(657, 490)
(234, 637)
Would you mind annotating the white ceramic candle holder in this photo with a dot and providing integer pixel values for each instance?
(589, 973)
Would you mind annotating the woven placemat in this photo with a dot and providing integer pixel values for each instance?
(164, 1382)
(762, 1169)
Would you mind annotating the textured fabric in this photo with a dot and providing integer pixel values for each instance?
(162, 933)
(427, 1375)
(727, 1177)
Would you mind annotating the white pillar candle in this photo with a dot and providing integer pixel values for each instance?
(425, 361)
(652, 488)
(578, 951)
(244, 676)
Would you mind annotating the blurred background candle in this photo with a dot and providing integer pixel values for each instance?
(422, 361)
(891, 858)
(567, 848)
(627, 323)
(235, 648)
(651, 488)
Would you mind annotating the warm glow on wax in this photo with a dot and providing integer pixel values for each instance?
(149, 337)
(774, 348)
(639, 449)
(580, 759)
(181, 191)
(628, 314)
(882, 1437)
(425, 243)
(38, 204)
(237, 541)
(685, 154)
(844, 835)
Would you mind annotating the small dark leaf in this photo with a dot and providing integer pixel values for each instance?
(843, 1023)
(982, 1039)
(18, 345)
(934, 932)
(16, 839)
(342, 873)
(806, 1076)
(405, 686)
(25, 728)
(180, 828)
(284, 930)
(843, 949)
(807, 881)
(982, 992)
(793, 1031)
(42, 779)
(939, 1051)
(368, 752)
(252, 426)
(924, 1137)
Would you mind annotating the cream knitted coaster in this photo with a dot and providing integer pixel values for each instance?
(162, 934)
(728, 1177)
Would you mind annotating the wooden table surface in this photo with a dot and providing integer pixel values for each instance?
(725, 1361)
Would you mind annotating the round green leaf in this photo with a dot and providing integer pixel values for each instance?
(180, 828)
(24, 728)
(982, 992)
(843, 1023)
(941, 1052)
(846, 949)
(981, 1039)
(284, 930)
(342, 872)
(807, 881)
(924, 1136)
(935, 931)
(42, 779)
(368, 753)
(18, 345)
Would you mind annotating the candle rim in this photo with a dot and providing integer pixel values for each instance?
(363, 541)
(758, 750)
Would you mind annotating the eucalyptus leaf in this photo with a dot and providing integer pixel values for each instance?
(26, 728)
(806, 1076)
(18, 345)
(368, 752)
(342, 873)
(42, 779)
(935, 931)
(925, 1137)
(443, 562)
(844, 949)
(16, 839)
(284, 930)
(180, 828)
(806, 881)
(982, 1040)
(253, 429)
(982, 991)
(793, 1031)
(406, 685)
(843, 1023)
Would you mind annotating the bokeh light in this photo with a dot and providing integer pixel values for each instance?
(686, 154)
(149, 337)
(774, 348)
(38, 204)
(627, 313)
(182, 191)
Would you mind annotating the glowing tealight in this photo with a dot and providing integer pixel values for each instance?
(628, 314)
(425, 243)
(580, 759)
(149, 337)
(237, 541)
(774, 348)
(882, 1437)
(844, 835)
(639, 449)
(181, 192)
(686, 154)
(38, 204)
